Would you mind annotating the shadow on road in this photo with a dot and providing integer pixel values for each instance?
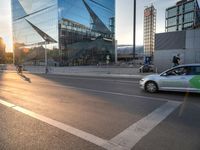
(1, 74)
(192, 95)
(25, 78)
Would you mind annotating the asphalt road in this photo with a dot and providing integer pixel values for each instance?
(66, 112)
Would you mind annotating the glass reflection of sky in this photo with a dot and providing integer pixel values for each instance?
(43, 14)
(75, 10)
(17, 10)
(47, 20)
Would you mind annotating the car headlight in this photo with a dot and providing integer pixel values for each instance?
(141, 80)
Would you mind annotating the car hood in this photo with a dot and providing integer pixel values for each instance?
(152, 76)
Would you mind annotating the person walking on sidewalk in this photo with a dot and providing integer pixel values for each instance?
(19, 69)
(176, 60)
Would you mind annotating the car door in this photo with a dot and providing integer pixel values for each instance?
(193, 79)
(174, 80)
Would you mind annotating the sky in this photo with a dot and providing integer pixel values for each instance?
(124, 20)
(5, 23)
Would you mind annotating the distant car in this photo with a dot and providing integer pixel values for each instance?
(183, 78)
(146, 68)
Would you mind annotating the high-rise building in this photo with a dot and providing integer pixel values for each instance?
(77, 32)
(149, 30)
(182, 16)
(2, 50)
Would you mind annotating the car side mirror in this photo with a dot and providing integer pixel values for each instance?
(164, 74)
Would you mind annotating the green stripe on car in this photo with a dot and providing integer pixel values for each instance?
(195, 82)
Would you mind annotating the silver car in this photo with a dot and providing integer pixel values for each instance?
(183, 78)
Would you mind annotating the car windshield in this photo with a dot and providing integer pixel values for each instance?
(180, 71)
(186, 70)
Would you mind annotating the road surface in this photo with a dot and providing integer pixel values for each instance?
(88, 113)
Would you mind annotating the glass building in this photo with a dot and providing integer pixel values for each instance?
(74, 32)
(184, 15)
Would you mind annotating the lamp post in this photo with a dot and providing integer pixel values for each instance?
(134, 27)
(46, 60)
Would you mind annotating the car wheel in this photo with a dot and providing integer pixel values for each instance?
(151, 87)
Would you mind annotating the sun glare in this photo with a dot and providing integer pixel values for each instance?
(8, 42)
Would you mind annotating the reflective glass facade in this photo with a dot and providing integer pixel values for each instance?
(172, 12)
(86, 29)
(75, 32)
(184, 15)
(32, 22)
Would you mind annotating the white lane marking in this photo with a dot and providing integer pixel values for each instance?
(86, 136)
(123, 141)
(76, 132)
(6, 103)
(107, 92)
(115, 93)
(130, 136)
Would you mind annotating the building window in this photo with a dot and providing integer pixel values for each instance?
(171, 29)
(172, 12)
(180, 28)
(171, 21)
(180, 9)
(189, 17)
(189, 6)
(187, 25)
(180, 19)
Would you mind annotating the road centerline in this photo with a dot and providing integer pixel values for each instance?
(116, 93)
(112, 93)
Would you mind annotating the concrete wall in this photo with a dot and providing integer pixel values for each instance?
(189, 54)
(170, 40)
(192, 53)
(163, 59)
(83, 70)
(193, 39)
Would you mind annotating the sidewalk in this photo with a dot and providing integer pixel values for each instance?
(89, 71)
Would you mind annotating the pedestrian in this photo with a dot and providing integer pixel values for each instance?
(176, 60)
(19, 69)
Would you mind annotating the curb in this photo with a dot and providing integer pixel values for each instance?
(103, 75)
(93, 75)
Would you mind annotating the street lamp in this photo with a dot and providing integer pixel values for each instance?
(46, 60)
(134, 27)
